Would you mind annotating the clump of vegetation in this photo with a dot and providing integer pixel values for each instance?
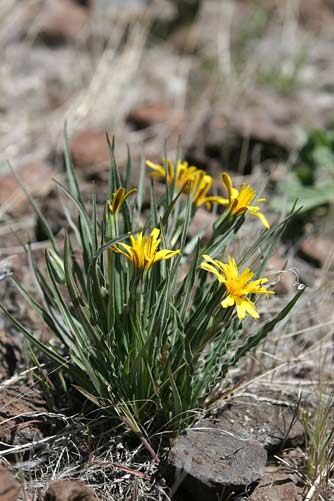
(148, 320)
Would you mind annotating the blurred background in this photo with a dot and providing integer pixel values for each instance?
(238, 85)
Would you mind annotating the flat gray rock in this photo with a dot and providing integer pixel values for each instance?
(227, 454)
(207, 462)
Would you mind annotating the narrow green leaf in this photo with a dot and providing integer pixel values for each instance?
(73, 182)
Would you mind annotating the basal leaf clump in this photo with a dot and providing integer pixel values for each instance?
(144, 330)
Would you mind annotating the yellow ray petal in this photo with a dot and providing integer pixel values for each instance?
(261, 216)
(250, 308)
(158, 169)
(215, 262)
(227, 181)
(212, 269)
(165, 254)
(229, 301)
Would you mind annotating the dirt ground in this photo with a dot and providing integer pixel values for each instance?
(234, 89)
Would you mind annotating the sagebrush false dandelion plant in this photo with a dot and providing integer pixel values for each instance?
(142, 330)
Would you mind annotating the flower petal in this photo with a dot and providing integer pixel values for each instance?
(164, 254)
(212, 269)
(215, 262)
(217, 200)
(227, 181)
(158, 169)
(241, 309)
(251, 308)
(228, 301)
(261, 216)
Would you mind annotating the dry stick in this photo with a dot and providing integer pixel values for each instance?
(17, 377)
(28, 446)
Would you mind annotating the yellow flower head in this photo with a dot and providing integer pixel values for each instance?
(119, 198)
(239, 200)
(184, 173)
(189, 177)
(143, 251)
(237, 286)
(200, 187)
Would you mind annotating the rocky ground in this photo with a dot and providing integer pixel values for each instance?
(233, 90)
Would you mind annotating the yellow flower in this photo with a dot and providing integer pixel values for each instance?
(143, 251)
(237, 286)
(184, 173)
(239, 200)
(200, 188)
(119, 198)
(189, 178)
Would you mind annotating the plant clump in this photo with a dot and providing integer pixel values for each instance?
(136, 336)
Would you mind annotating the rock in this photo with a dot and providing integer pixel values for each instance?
(207, 462)
(69, 490)
(37, 177)
(274, 426)
(90, 153)
(9, 488)
(63, 20)
(149, 114)
(277, 484)
(90, 150)
(317, 250)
